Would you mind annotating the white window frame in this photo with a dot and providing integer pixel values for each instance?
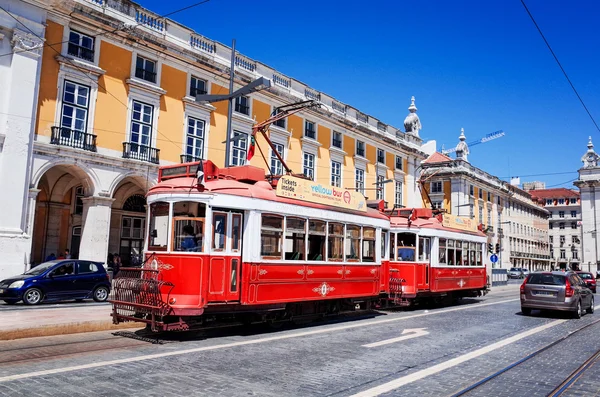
(152, 137)
(275, 161)
(436, 191)
(364, 147)
(437, 205)
(69, 73)
(90, 36)
(248, 104)
(75, 106)
(377, 156)
(82, 30)
(380, 187)
(336, 176)
(398, 193)
(145, 61)
(341, 147)
(396, 158)
(359, 180)
(235, 145)
(203, 139)
(316, 130)
(306, 159)
(149, 57)
(198, 78)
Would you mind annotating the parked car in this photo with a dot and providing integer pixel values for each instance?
(589, 280)
(57, 280)
(515, 272)
(564, 291)
(525, 272)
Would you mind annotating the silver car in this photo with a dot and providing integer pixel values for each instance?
(564, 291)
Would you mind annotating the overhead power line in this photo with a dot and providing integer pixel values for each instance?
(559, 64)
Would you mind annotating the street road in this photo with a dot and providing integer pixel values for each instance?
(424, 352)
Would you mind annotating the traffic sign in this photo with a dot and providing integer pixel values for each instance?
(494, 258)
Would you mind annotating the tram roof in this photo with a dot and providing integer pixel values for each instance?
(261, 190)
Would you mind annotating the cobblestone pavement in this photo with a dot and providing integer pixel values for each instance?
(323, 359)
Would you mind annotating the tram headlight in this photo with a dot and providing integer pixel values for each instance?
(17, 284)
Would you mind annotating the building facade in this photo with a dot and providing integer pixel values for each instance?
(515, 223)
(589, 190)
(21, 39)
(116, 99)
(564, 226)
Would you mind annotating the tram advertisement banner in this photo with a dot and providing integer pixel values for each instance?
(302, 189)
(459, 222)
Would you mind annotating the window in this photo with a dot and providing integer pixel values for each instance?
(561, 214)
(562, 239)
(489, 196)
(573, 201)
(81, 46)
(574, 239)
(336, 140)
(398, 193)
(381, 156)
(436, 187)
(197, 86)
(480, 214)
(78, 200)
(424, 249)
(561, 225)
(352, 243)
(563, 254)
(195, 139)
(399, 163)
(75, 107)
(573, 214)
(573, 225)
(548, 201)
(335, 242)
(442, 252)
(236, 232)
(188, 226)
(471, 190)
(239, 148)
(132, 227)
(295, 234)
(310, 130)
(159, 226)
(219, 231)
(551, 239)
(336, 174)
(279, 123)
(574, 254)
(309, 165)
(316, 240)
(368, 244)
(360, 148)
(242, 105)
(380, 192)
(550, 225)
(481, 194)
(141, 125)
(489, 218)
(87, 267)
(561, 201)
(145, 69)
(276, 166)
(436, 205)
(270, 236)
(360, 180)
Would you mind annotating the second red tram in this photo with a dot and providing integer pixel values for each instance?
(232, 247)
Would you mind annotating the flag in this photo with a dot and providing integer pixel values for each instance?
(251, 148)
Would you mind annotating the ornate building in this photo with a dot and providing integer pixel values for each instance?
(516, 224)
(116, 99)
(589, 189)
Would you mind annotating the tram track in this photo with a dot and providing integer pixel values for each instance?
(562, 387)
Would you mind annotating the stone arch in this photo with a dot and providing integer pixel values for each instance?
(88, 177)
(144, 182)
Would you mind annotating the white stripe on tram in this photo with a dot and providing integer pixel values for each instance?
(235, 344)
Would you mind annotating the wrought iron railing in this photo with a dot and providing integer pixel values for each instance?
(188, 158)
(81, 52)
(312, 134)
(144, 74)
(73, 138)
(197, 91)
(337, 143)
(132, 150)
(360, 152)
(242, 108)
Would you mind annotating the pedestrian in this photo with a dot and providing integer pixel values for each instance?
(116, 264)
(50, 257)
(67, 254)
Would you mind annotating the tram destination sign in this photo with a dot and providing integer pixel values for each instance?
(302, 189)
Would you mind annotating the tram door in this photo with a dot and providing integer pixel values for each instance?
(225, 256)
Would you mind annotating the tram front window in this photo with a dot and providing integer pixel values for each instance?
(188, 226)
(158, 232)
(406, 246)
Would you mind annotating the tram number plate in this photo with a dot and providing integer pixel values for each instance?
(547, 293)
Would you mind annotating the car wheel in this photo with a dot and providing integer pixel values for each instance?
(577, 314)
(32, 296)
(526, 311)
(590, 310)
(10, 302)
(101, 294)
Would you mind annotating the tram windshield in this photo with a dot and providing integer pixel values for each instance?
(406, 246)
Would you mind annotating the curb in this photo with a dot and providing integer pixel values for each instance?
(64, 329)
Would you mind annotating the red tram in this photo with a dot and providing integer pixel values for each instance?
(228, 246)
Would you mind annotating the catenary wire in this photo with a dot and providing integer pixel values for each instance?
(109, 31)
(559, 64)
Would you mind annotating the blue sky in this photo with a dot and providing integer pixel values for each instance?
(477, 65)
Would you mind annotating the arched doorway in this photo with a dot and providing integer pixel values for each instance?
(59, 212)
(128, 222)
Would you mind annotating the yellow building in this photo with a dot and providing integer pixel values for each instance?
(117, 98)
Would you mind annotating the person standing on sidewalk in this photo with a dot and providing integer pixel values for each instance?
(116, 264)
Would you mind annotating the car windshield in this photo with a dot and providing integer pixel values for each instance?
(586, 276)
(514, 269)
(547, 279)
(41, 268)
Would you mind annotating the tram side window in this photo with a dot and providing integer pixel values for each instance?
(368, 244)
(295, 233)
(158, 232)
(188, 226)
(451, 257)
(443, 258)
(472, 254)
(459, 253)
(270, 236)
(236, 237)
(392, 246)
(424, 249)
(219, 231)
(384, 243)
(352, 243)
(479, 248)
(336, 242)
(405, 244)
(316, 240)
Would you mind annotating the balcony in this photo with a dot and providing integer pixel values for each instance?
(197, 91)
(135, 151)
(360, 152)
(312, 134)
(144, 74)
(72, 138)
(242, 109)
(81, 52)
(188, 158)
